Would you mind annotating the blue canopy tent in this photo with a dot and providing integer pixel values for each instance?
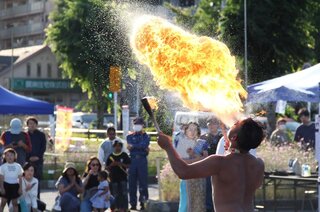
(12, 103)
(298, 86)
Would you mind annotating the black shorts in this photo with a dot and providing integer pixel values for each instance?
(11, 191)
(119, 191)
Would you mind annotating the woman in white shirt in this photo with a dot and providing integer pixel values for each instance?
(30, 187)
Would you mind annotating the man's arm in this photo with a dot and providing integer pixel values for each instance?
(3, 139)
(43, 145)
(297, 135)
(26, 146)
(200, 169)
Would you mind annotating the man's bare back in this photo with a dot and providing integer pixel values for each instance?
(234, 186)
(235, 176)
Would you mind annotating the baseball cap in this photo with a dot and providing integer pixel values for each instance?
(115, 142)
(15, 126)
(212, 120)
(138, 120)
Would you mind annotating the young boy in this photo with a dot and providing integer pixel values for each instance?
(117, 164)
(235, 176)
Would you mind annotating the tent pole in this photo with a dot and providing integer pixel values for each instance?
(317, 123)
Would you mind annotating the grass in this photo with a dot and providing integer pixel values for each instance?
(56, 163)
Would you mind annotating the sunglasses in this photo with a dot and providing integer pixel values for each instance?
(94, 164)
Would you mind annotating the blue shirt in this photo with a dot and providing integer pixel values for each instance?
(64, 181)
(200, 146)
(139, 143)
(306, 133)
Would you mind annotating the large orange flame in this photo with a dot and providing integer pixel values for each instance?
(201, 69)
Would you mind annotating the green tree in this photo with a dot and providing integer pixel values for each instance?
(150, 88)
(202, 19)
(88, 37)
(282, 36)
(279, 35)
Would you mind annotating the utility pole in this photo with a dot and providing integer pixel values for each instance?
(245, 45)
(11, 68)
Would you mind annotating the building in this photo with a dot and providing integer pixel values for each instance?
(22, 22)
(35, 73)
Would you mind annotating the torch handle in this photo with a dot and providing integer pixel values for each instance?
(156, 125)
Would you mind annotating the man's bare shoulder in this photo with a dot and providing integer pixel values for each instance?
(260, 162)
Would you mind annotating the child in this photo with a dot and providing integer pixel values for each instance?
(101, 200)
(10, 179)
(30, 187)
(117, 164)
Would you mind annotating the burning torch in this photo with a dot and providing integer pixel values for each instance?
(151, 104)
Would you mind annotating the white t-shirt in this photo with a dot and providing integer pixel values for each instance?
(31, 195)
(11, 172)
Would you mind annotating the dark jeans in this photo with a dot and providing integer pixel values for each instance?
(120, 192)
(138, 175)
(69, 203)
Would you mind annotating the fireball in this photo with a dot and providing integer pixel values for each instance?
(200, 69)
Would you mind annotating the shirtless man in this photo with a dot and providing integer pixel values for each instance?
(235, 176)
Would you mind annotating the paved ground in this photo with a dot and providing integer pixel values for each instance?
(49, 195)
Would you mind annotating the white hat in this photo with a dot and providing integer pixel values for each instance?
(15, 126)
(69, 165)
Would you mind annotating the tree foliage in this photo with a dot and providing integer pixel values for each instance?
(282, 36)
(87, 37)
(202, 19)
(279, 35)
(150, 88)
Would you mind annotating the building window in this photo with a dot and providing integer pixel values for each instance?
(49, 71)
(28, 70)
(59, 73)
(38, 70)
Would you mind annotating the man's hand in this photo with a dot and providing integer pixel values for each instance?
(129, 147)
(73, 180)
(34, 158)
(20, 143)
(164, 141)
(28, 187)
(20, 191)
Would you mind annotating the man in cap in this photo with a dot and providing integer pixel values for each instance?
(138, 146)
(17, 139)
(212, 138)
(280, 135)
